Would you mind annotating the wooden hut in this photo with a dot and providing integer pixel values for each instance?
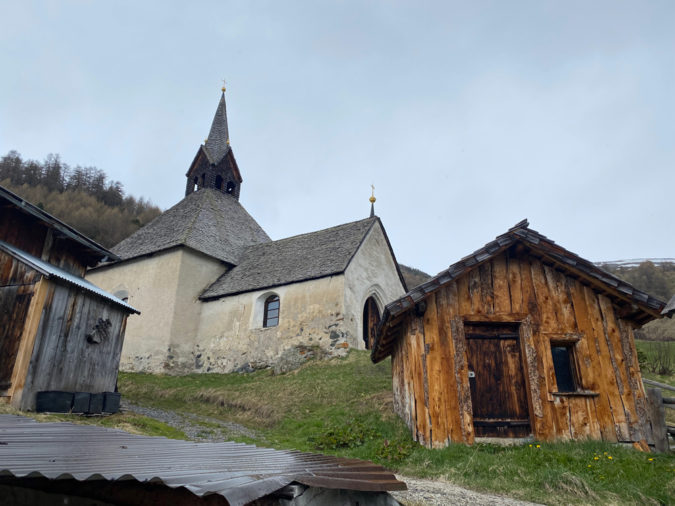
(521, 338)
(58, 332)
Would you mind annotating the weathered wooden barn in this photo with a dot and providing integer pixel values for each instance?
(58, 332)
(520, 338)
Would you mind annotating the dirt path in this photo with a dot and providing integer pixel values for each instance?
(196, 428)
(420, 492)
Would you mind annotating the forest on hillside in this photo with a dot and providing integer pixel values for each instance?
(83, 197)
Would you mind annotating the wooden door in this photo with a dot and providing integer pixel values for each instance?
(498, 393)
(371, 317)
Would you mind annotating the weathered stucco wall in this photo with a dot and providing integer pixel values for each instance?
(163, 335)
(371, 272)
(311, 321)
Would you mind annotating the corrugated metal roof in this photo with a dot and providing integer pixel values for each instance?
(239, 472)
(50, 271)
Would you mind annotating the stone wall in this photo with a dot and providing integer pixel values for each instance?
(311, 323)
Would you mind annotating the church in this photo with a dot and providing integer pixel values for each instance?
(216, 294)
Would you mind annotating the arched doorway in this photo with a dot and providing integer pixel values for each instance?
(371, 317)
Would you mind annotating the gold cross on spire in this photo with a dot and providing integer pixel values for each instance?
(372, 195)
(223, 88)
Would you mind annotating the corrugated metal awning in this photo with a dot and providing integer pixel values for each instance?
(50, 271)
(239, 472)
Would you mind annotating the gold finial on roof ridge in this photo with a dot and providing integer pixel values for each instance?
(372, 195)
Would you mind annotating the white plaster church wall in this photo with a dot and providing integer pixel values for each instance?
(371, 272)
(168, 314)
(311, 322)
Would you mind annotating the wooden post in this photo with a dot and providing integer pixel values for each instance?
(657, 415)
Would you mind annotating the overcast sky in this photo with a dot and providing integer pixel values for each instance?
(466, 116)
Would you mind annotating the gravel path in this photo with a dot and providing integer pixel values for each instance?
(441, 493)
(420, 492)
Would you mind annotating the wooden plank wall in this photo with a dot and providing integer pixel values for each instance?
(32, 236)
(430, 377)
(62, 357)
(17, 284)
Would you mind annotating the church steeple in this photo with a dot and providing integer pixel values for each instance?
(218, 142)
(214, 165)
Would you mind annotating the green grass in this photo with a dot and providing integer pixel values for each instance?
(650, 351)
(344, 407)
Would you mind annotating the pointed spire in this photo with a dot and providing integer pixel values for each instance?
(218, 143)
(372, 201)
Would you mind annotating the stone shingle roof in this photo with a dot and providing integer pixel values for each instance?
(207, 221)
(299, 258)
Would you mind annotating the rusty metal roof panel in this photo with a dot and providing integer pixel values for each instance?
(239, 472)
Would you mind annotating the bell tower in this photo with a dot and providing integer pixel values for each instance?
(214, 165)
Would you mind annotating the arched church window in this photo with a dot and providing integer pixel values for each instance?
(230, 187)
(271, 316)
(203, 179)
(195, 181)
(371, 317)
(219, 182)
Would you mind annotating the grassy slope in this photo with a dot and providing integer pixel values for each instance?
(344, 407)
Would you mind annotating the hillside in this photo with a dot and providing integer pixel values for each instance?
(413, 276)
(82, 197)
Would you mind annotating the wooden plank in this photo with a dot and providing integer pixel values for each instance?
(549, 323)
(445, 308)
(604, 368)
(600, 420)
(613, 337)
(544, 425)
(418, 380)
(464, 295)
(657, 415)
(438, 410)
(500, 284)
(477, 306)
(462, 377)
(657, 384)
(487, 297)
(634, 379)
(515, 290)
(25, 352)
(531, 373)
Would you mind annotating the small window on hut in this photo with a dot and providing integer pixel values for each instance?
(271, 317)
(563, 364)
(219, 182)
(230, 187)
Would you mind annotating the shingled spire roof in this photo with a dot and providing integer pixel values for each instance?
(218, 143)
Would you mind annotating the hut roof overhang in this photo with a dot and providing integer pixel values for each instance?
(83, 243)
(51, 271)
(635, 305)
